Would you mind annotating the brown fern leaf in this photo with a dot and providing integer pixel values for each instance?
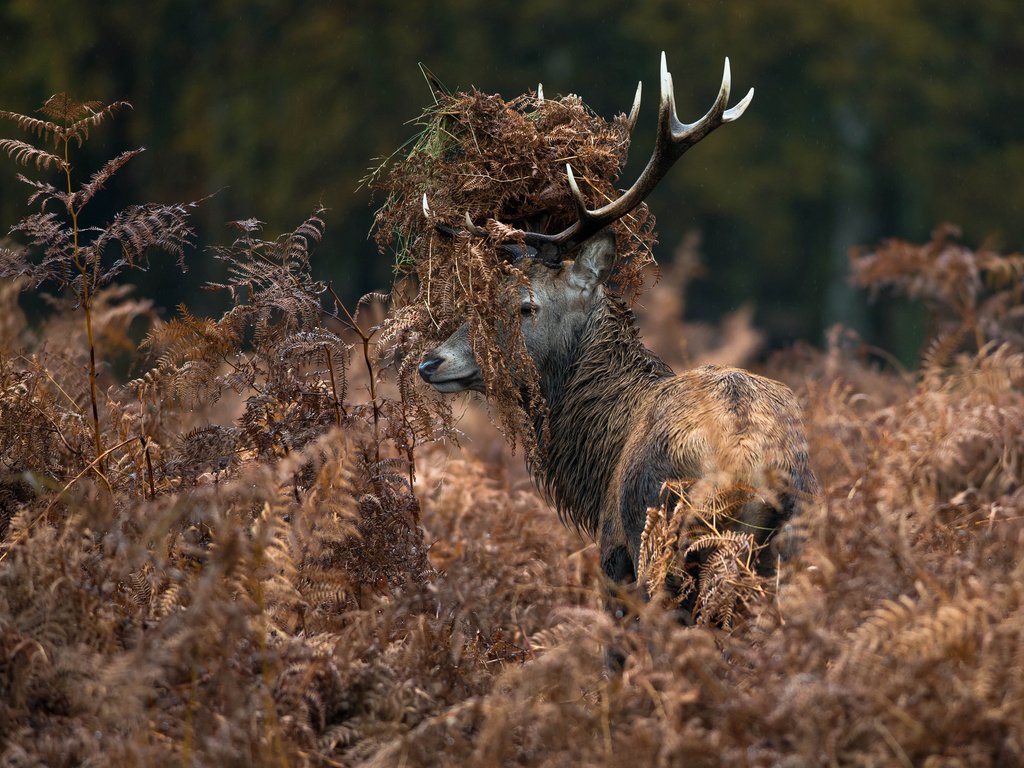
(101, 177)
(137, 229)
(76, 118)
(976, 292)
(212, 448)
(44, 129)
(61, 107)
(44, 193)
(56, 237)
(23, 154)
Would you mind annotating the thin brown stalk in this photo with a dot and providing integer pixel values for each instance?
(365, 338)
(87, 308)
(149, 465)
(338, 407)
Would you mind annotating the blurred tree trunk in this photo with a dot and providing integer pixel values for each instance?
(855, 221)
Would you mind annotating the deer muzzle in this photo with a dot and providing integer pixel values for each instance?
(449, 369)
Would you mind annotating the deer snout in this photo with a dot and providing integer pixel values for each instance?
(448, 372)
(428, 367)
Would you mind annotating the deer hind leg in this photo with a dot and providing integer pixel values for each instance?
(620, 582)
(617, 565)
(771, 520)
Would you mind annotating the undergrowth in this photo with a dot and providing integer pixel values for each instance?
(252, 553)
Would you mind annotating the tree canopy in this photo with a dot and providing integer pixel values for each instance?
(871, 119)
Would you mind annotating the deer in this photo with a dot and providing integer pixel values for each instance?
(621, 425)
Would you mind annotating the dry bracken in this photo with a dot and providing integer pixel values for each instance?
(254, 579)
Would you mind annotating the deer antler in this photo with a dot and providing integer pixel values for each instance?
(673, 139)
(513, 252)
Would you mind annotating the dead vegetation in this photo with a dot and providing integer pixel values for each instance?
(480, 173)
(242, 573)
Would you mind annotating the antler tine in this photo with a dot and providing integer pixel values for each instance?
(634, 113)
(445, 229)
(683, 136)
(473, 228)
(672, 140)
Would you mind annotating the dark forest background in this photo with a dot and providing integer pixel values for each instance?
(872, 119)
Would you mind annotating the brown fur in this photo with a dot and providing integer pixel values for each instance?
(622, 424)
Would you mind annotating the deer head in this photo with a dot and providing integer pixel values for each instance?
(553, 309)
(563, 289)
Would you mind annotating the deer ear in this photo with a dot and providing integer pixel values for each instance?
(594, 262)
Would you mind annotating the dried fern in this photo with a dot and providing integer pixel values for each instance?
(502, 164)
(265, 583)
(73, 256)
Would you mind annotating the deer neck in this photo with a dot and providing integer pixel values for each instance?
(593, 395)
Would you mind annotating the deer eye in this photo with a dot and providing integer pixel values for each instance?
(527, 309)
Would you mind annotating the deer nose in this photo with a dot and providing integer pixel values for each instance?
(430, 364)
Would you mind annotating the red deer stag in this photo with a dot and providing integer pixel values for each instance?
(620, 423)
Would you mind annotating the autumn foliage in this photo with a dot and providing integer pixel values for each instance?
(253, 551)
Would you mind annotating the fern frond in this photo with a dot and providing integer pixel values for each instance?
(45, 191)
(307, 234)
(368, 301)
(249, 226)
(61, 107)
(45, 229)
(137, 229)
(41, 128)
(75, 117)
(101, 177)
(732, 543)
(23, 154)
(211, 448)
(56, 238)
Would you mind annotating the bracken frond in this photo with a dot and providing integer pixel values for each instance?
(24, 154)
(137, 229)
(102, 176)
(73, 118)
(44, 129)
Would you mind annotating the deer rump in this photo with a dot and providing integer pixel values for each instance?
(621, 424)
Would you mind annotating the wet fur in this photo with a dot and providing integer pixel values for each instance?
(622, 424)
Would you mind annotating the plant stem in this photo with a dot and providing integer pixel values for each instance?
(149, 468)
(365, 338)
(338, 408)
(87, 307)
(410, 446)
(373, 393)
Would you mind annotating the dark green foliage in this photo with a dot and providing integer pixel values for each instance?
(871, 119)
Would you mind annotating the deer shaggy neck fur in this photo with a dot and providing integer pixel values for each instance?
(622, 424)
(594, 390)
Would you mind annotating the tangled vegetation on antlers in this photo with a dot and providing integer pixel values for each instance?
(502, 165)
